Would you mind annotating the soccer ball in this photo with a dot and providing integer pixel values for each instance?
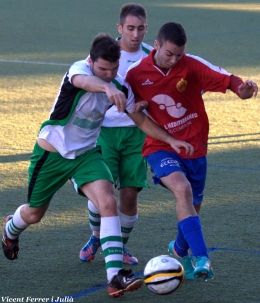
(163, 275)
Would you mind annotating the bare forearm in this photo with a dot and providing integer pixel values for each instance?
(149, 127)
(94, 84)
(90, 83)
(155, 131)
(244, 90)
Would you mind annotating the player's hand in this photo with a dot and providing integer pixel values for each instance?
(139, 106)
(248, 89)
(116, 97)
(178, 144)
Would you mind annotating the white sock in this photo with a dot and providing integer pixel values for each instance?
(112, 245)
(16, 225)
(94, 217)
(127, 225)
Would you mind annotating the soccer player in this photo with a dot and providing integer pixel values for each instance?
(173, 83)
(122, 141)
(66, 149)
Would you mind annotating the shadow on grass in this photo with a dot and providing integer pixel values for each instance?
(15, 158)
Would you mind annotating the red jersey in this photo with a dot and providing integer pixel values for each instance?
(175, 99)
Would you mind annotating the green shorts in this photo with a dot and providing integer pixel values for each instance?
(49, 171)
(122, 151)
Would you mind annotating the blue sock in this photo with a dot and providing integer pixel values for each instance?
(192, 231)
(180, 245)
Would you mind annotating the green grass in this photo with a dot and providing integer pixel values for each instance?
(61, 32)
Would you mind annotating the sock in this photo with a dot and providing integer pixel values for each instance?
(94, 217)
(181, 246)
(112, 245)
(192, 231)
(127, 225)
(16, 225)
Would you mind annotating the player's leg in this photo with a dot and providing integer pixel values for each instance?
(42, 185)
(132, 178)
(95, 181)
(195, 172)
(127, 211)
(197, 177)
(172, 173)
(101, 193)
(17, 223)
(88, 251)
(108, 142)
(190, 225)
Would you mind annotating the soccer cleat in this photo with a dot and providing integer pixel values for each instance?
(87, 252)
(203, 268)
(123, 282)
(128, 258)
(10, 246)
(186, 262)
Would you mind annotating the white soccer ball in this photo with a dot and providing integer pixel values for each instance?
(163, 275)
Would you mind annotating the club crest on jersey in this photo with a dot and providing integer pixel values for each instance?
(181, 85)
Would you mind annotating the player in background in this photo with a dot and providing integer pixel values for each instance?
(66, 149)
(173, 84)
(121, 141)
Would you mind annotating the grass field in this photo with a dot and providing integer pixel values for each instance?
(38, 41)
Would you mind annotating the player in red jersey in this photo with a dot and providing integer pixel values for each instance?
(173, 82)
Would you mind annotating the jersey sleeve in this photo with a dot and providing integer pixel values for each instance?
(130, 79)
(234, 84)
(79, 68)
(212, 78)
(130, 101)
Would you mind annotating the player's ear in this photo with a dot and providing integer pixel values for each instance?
(146, 28)
(156, 44)
(119, 28)
(90, 61)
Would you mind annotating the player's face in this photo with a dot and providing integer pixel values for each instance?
(103, 69)
(132, 33)
(167, 54)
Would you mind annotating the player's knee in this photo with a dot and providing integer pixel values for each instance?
(33, 216)
(108, 207)
(182, 187)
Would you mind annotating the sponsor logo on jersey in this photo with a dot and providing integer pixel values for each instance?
(147, 82)
(165, 102)
(130, 61)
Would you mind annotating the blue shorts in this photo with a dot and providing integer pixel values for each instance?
(163, 163)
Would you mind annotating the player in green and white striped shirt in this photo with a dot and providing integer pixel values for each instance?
(121, 140)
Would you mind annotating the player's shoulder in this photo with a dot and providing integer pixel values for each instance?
(146, 47)
(139, 64)
(196, 60)
(119, 81)
(80, 63)
(80, 67)
(123, 86)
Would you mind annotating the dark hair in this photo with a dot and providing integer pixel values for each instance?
(172, 32)
(105, 47)
(133, 9)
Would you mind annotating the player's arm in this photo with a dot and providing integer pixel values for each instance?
(244, 90)
(140, 106)
(152, 129)
(94, 84)
(248, 89)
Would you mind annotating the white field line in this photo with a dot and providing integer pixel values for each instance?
(33, 62)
